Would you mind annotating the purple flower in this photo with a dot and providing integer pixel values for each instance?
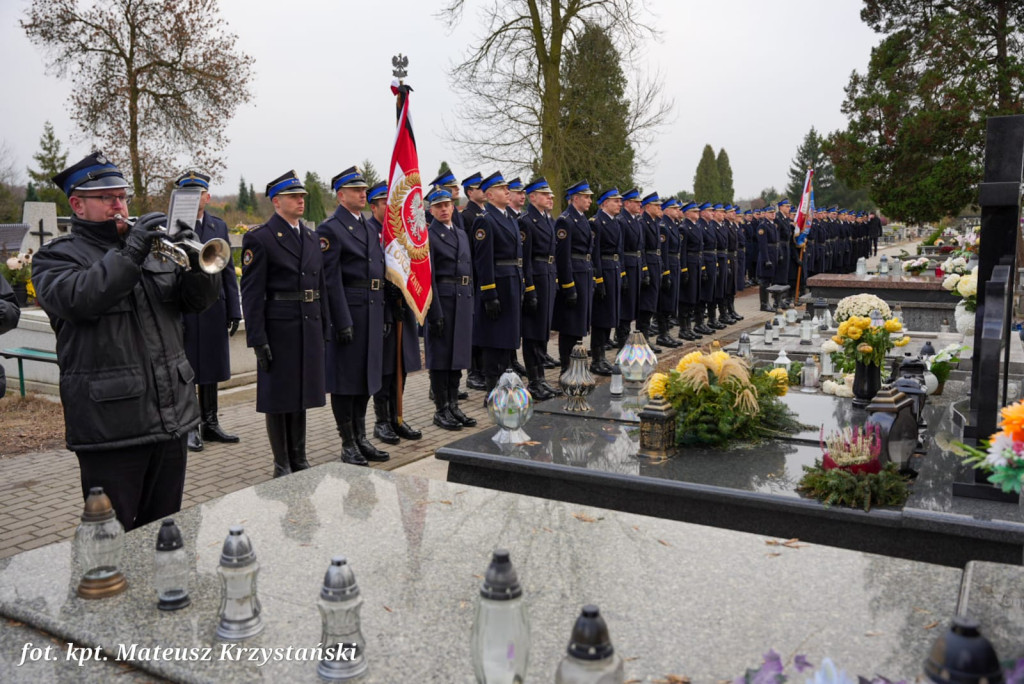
(802, 663)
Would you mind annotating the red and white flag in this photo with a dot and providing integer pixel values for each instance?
(806, 210)
(406, 247)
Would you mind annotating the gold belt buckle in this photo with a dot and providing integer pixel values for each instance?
(465, 280)
(307, 295)
(375, 284)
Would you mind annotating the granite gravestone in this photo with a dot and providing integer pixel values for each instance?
(11, 236)
(41, 218)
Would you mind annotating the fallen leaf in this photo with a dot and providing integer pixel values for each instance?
(873, 634)
(921, 610)
(632, 681)
(548, 529)
(478, 576)
(446, 501)
(388, 609)
(15, 623)
(583, 517)
(932, 625)
(772, 542)
(292, 520)
(631, 659)
(674, 679)
(663, 542)
(528, 443)
(794, 540)
(793, 544)
(773, 554)
(636, 528)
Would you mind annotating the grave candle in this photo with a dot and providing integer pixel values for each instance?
(170, 568)
(99, 542)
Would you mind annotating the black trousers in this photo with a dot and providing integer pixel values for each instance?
(144, 483)
(533, 353)
(565, 347)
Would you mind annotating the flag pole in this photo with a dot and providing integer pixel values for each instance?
(399, 62)
(803, 246)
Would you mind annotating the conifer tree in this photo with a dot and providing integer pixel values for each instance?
(243, 195)
(724, 176)
(52, 159)
(253, 200)
(707, 186)
(314, 213)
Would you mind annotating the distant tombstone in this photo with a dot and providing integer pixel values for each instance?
(43, 227)
(11, 236)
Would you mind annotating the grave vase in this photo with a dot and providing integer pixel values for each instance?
(867, 380)
(21, 293)
(964, 320)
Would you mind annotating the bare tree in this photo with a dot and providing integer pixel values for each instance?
(156, 81)
(511, 115)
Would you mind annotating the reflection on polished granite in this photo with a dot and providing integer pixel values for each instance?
(993, 594)
(679, 598)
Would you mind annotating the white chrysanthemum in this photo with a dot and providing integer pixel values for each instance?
(844, 391)
(968, 285)
(950, 281)
(999, 450)
(828, 347)
(829, 387)
(861, 305)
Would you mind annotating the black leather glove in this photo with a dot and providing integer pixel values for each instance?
(645, 280)
(184, 232)
(233, 326)
(530, 303)
(666, 282)
(140, 237)
(395, 300)
(492, 307)
(346, 335)
(572, 298)
(600, 292)
(436, 327)
(263, 356)
(387, 329)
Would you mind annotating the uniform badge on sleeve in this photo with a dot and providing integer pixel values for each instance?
(562, 234)
(522, 236)
(324, 244)
(481, 234)
(663, 238)
(760, 231)
(247, 257)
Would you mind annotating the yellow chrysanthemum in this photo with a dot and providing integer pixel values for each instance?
(843, 327)
(903, 341)
(1013, 420)
(862, 322)
(692, 357)
(781, 378)
(893, 325)
(838, 339)
(865, 348)
(854, 332)
(657, 384)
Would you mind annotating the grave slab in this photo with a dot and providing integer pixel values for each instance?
(418, 549)
(993, 594)
(32, 214)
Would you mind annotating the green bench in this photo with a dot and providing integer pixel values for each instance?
(23, 353)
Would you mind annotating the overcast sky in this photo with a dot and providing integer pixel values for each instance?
(747, 75)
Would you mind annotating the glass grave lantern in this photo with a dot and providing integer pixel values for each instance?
(339, 605)
(769, 333)
(170, 568)
(807, 330)
(239, 605)
(743, 347)
(99, 543)
(893, 412)
(636, 359)
(577, 382)
(782, 360)
(510, 406)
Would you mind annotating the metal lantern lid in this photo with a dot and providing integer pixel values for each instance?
(501, 583)
(590, 639)
(237, 551)
(927, 349)
(963, 656)
(889, 399)
(912, 367)
(169, 537)
(97, 506)
(339, 581)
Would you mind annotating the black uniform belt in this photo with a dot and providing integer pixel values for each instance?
(544, 259)
(584, 257)
(509, 262)
(731, 253)
(720, 253)
(657, 252)
(300, 296)
(614, 256)
(374, 284)
(455, 280)
(633, 254)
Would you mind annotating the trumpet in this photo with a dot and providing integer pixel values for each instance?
(214, 254)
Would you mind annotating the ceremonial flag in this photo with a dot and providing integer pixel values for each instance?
(806, 210)
(406, 248)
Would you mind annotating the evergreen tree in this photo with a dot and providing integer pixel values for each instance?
(725, 176)
(444, 168)
(707, 186)
(253, 200)
(52, 159)
(30, 193)
(315, 212)
(811, 155)
(243, 195)
(595, 114)
(684, 196)
(370, 173)
(769, 196)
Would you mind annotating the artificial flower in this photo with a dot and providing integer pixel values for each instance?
(1013, 421)
(692, 357)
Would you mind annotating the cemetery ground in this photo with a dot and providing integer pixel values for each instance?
(39, 478)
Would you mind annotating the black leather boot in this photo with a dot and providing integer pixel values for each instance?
(195, 441)
(442, 417)
(367, 449)
(401, 428)
(453, 404)
(732, 309)
(539, 392)
(698, 318)
(550, 361)
(763, 292)
(296, 425)
(685, 327)
(277, 434)
(349, 452)
(211, 430)
(598, 364)
(713, 317)
(723, 313)
(382, 426)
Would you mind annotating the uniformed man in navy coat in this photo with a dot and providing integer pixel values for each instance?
(633, 263)
(574, 263)
(692, 238)
(709, 274)
(474, 207)
(389, 426)
(447, 181)
(538, 232)
(206, 334)
(767, 255)
(671, 249)
(286, 320)
(607, 278)
(449, 333)
(354, 266)
(498, 279)
(647, 302)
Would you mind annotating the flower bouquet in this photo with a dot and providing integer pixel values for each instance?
(942, 363)
(916, 266)
(719, 399)
(860, 305)
(850, 472)
(964, 286)
(1003, 454)
(868, 341)
(17, 270)
(957, 265)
